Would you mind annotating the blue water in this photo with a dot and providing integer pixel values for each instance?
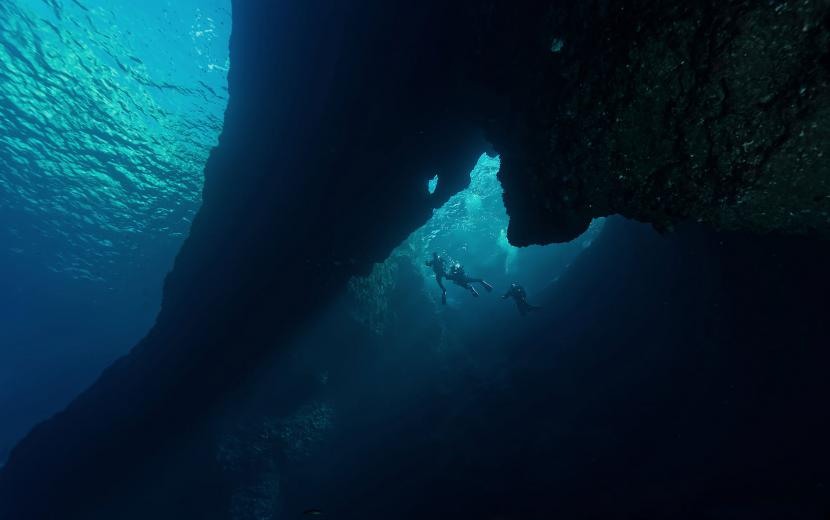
(108, 110)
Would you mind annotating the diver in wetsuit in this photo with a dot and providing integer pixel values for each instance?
(437, 264)
(517, 292)
(457, 276)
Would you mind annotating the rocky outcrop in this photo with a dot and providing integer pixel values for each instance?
(664, 111)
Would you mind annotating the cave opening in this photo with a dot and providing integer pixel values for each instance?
(471, 229)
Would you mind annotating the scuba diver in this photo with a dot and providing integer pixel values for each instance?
(457, 276)
(517, 292)
(437, 264)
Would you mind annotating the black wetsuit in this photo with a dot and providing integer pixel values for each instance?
(457, 276)
(437, 265)
(517, 292)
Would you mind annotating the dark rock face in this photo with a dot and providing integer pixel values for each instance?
(338, 115)
(670, 111)
(340, 111)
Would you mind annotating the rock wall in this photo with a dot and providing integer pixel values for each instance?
(666, 112)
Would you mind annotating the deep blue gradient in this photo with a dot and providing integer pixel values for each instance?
(303, 362)
(108, 110)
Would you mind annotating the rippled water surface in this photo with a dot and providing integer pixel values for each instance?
(108, 110)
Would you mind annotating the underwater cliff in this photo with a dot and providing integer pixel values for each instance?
(678, 375)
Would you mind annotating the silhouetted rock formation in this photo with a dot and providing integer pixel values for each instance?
(339, 113)
(667, 111)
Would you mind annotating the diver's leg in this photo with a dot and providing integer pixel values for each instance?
(443, 289)
(526, 308)
(484, 284)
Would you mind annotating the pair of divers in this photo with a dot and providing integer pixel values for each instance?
(457, 275)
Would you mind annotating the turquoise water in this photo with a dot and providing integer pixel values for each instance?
(108, 109)
(472, 229)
